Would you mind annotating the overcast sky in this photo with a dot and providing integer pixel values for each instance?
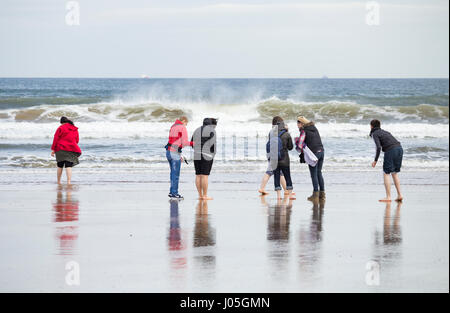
(183, 38)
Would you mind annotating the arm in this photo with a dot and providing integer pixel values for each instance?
(184, 138)
(301, 142)
(78, 137)
(213, 148)
(289, 144)
(56, 139)
(378, 146)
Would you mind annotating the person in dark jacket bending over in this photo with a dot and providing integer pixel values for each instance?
(393, 157)
(310, 136)
(204, 139)
(282, 164)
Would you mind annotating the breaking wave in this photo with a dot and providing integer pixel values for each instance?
(261, 111)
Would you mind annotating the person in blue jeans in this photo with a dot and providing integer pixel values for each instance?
(393, 157)
(310, 136)
(178, 138)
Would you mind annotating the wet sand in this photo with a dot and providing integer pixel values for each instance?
(128, 237)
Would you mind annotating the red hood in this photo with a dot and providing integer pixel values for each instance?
(69, 127)
(66, 138)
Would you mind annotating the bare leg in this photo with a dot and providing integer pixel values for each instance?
(387, 186)
(205, 187)
(279, 194)
(265, 180)
(397, 186)
(59, 174)
(283, 182)
(291, 195)
(198, 184)
(69, 175)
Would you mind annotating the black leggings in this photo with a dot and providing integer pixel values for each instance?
(64, 164)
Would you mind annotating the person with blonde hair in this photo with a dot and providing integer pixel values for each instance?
(310, 137)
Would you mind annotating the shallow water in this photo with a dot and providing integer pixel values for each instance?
(129, 237)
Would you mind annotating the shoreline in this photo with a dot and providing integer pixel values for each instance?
(93, 176)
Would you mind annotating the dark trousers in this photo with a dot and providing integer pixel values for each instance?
(316, 173)
(287, 175)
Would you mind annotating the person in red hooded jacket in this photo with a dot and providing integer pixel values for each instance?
(65, 147)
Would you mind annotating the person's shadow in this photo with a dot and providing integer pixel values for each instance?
(204, 234)
(310, 240)
(66, 212)
(316, 220)
(278, 223)
(387, 244)
(204, 240)
(175, 240)
(392, 232)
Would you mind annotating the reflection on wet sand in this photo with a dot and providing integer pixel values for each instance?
(175, 241)
(278, 221)
(204, 244)
(387, 245)
(311, 240)
(66, 211)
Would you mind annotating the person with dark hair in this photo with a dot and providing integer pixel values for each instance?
(310, 137)
(205, 140)
(65, 147)
(269, 172)
(178, 138)
(278, 147)
(393, 157)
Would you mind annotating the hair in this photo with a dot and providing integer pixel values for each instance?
(210, 121)
(184, 119)
(375, 123)
(276, 120)
(64, 120)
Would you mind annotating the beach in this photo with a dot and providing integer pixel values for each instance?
(126, 236)
(115, 229)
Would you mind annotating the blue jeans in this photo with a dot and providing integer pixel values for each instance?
(286, 171)
(175, 166)
(316, 173)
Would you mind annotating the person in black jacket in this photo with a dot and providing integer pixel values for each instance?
(282, 164)
(204, 139)
(393, 157)
(310, 136)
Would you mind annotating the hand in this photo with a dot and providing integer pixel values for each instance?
(53, 153)
(374, 163)
(302, 158)
(182, 159)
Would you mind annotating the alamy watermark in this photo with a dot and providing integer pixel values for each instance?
(73, 13)
(73, 273)
(373, 13)
(373, 273)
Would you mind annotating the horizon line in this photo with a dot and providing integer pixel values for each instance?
(174, 77)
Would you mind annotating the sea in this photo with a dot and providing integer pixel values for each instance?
(124, 123)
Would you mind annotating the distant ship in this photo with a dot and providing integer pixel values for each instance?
(145, 76)
(324, 77)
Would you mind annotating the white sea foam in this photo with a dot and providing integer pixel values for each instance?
(135, 130)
